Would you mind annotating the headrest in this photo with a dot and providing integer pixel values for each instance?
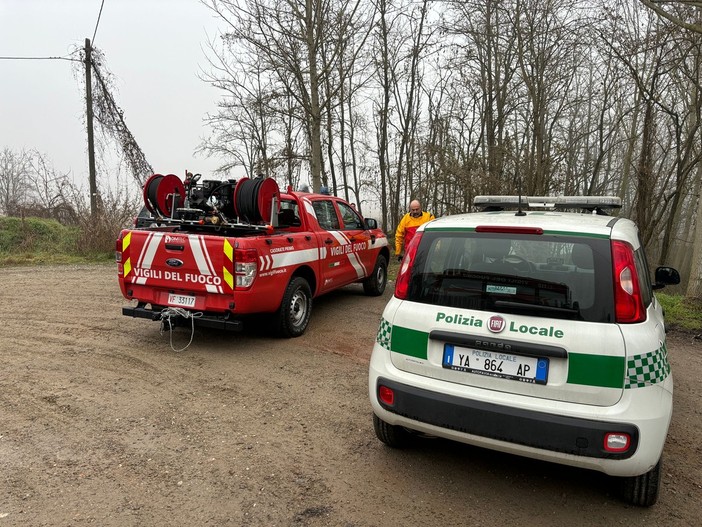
(494, 248)
(582, 256)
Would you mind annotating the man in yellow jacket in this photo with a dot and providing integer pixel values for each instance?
(408, 226)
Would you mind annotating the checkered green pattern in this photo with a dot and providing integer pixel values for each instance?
(384, 332)
(647, 369)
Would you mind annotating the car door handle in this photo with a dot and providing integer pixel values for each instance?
(328, 241)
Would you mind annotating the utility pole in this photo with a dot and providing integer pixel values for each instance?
(91, 142)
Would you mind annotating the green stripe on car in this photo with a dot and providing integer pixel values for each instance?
(409, 342)
(595, 370)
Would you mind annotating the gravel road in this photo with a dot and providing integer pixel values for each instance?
(102, 423)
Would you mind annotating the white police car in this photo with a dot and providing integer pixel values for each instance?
(533, 332)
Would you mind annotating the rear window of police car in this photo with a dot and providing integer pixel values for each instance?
(568, 277)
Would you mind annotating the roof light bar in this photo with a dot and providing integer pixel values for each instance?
(549, 202)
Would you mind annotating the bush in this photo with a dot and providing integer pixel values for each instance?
(35, 240)
(28, 235)
(39, 240)
(681, 313)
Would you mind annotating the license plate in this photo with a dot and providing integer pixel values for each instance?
(496, 364)
(181, 300)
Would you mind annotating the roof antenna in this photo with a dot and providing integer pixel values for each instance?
(520, 212)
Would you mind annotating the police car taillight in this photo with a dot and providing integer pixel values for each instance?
(245, 267)
(628, 303)
(403, 277)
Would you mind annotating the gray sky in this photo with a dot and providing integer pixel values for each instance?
(154, 49)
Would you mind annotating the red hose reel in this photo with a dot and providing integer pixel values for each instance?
(251, 199)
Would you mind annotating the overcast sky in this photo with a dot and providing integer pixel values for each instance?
(154, 49)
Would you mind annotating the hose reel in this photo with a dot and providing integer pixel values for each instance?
(250, 200)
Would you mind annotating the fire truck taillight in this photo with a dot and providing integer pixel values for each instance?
(245, 267)
(118, 249)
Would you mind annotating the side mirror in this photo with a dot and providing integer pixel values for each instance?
(371, 223)
(666, 276)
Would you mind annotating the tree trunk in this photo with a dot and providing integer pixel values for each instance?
(694, 284)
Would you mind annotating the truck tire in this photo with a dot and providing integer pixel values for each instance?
(393, 436)
(295, 309)
(643, 490)
(375, 284)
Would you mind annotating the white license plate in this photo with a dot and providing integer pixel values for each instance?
(181, 300)
(496, 364)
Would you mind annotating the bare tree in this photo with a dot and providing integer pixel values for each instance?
(287, 38)
(52, 192)
(242, 126)
(384, 59)
(677, 11)
(15, 170)
(486, 59)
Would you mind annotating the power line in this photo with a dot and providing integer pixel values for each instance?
(102, 4)
(41, 58)
(98, 21)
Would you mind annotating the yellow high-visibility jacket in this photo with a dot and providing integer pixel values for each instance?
(407, 227)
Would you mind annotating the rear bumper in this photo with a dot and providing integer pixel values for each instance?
(223, 322)
(567, 435)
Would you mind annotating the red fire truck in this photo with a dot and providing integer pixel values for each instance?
(213, 251)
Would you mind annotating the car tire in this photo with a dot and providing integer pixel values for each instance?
(375, 284)
(294, 312)
(393, 436)
(643, 490)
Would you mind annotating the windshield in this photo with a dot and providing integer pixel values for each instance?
(541, 275)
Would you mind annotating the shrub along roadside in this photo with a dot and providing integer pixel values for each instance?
(30, 241)
(681, 313)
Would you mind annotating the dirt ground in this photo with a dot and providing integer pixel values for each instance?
(102, 423)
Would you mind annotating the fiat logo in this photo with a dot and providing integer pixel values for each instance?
(496, 324)
(174, 262)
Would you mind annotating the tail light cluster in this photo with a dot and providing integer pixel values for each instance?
(245, 267)
(628, 302)
(403, 277)
(119, 248)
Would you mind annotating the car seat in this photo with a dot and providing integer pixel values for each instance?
(490, 254)
(287, 218)
(584, 275)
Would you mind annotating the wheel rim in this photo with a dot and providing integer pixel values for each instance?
(380, 277)
(298, 308)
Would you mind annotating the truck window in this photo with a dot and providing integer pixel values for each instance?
(288, 215)
(349, 216)
(326, 214)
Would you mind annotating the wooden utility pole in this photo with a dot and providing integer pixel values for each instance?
(89, 116)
